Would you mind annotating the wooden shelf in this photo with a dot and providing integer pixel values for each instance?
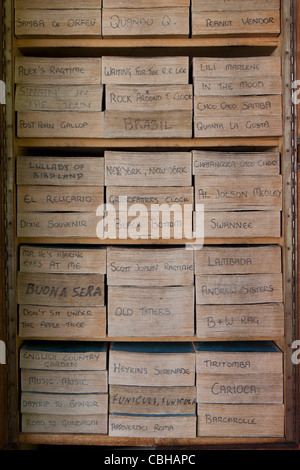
(148, 143)
(100, 43)
(103, 440)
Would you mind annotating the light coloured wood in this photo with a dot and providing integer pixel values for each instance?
(60, 224)
(182, 198)
(240, 321)
(59, 198)
(62, 322)
(152, 400)
(63, 356)
(58, 22)
(84, 424)
(145, 3)
(148, 168)
(64, 381)
(213, 105)
(58, 70)
(239, 193)
(76, 290)
(59, 403)
(238, 260)
(241, 420)
(219, 67)
(62, 124)
(62, 259)
(237, 363)
(152, 22)
(206, 163)
(148, 124)
(140, 224)
(57, 4)
(144, 98)
(60, 171)
(236, 22)
(120, 70)
(73, 98)
(238, 289)
(162, 427)
(241, 224)
(252, 88)
(263, 125)
(151, 369)
(149, 267)
(150, 311)
(240, 388)
(234, 5)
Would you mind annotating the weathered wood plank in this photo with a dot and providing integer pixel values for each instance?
(150, 311)
(148, 169)
(234, 5)
(57, 4)
(219, 67)
(147, 22)
(238, 105)
(58, 22)
(246, 86)
(148, 426)
(86, 290)
(58, 70)
(238, 289)
(73, 98)
(144, 98)
(149, 267)
(64, 424)
(60, 171)
(208, 163)
(63, 124)
(63, 404)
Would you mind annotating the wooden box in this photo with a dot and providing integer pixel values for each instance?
(152, 364)
(246, 67)
(145, 3)
(257, 92)
(150, 311)
(64, 424)
(238, 260)
(145, 98)
(148, 124)
(73, 98)
(152, 400)
(59, 198)
(208, 163)
(211, 23)
(238, 289)
(146, 22)
(260, 126)
(235, 105)
(60, 171)
(57, 4)
(58, 22)
(150, 267)
(58, 224)
(64, 124)
(61, 290)
(152, 427)
(177, 198)
(233, 5)
(148, 168)
(64, 404)
(80, 260)
(241, 420)
(58, 70)
(120, 70)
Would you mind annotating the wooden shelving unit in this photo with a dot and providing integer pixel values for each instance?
(283, 46)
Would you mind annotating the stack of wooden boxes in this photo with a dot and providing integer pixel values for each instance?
(239, 199)
(239, 389)
(146, 18)
(59, 97)
(147, 97)
(61, 292)
(150, 292)
(56, 18)
(64, 387)
(232, 17)
(235, 283)
(145, 185)
(152, 390)
(59, 196)
(237, 96)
